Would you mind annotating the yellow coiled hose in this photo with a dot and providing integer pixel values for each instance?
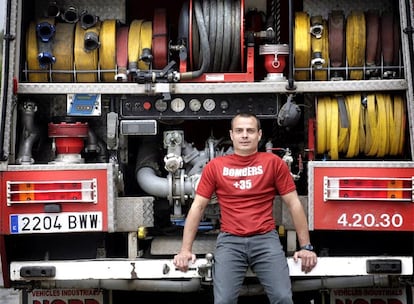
(31, 56)
(86, 61)
(134, 44)
(376, 126)
(62, 69)
(302, 45)
(355, 43)
(146, 43)
(107, 50)
(320, 50)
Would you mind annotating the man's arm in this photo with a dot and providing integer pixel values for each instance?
(192, 222)
(308, 258)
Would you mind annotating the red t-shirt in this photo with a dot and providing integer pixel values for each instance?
(245, 187)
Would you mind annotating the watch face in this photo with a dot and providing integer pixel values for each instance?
(308, 247)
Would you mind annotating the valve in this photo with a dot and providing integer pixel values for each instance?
(173, 162)
(205, 270)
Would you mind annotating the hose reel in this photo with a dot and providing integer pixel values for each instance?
(211, 40)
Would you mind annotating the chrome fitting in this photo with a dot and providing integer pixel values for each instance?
(71, 15)
(91, 41)
(316, 28)
(88, 20)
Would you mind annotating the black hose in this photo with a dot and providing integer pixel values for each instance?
(236, 34)
(225, 54)
(219, 36)
(204, 44)
(222, 23)
(212, 26)
(291, 84)
(7, 39)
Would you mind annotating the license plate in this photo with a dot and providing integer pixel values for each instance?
(55, 222)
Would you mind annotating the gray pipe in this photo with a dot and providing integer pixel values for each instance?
(341, 282)
(324, 283)
(151, 183)
(30, 133)
(147, 173)
(192, 285)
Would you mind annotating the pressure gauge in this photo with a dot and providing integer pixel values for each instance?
(161, 105)
(177, 105)
(195, 105)
(209, 104)
(224, 104)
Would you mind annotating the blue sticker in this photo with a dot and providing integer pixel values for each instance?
(14, 224)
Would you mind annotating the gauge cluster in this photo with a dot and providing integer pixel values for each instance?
(199, 106)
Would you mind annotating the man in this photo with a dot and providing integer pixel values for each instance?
(246, 183)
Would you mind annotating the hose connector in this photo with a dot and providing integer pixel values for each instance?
(70, 15)
(317, 61)
(316, 28)
(45, 59)
(88, 20)
(45, 31)
(91, 41)
(146, 56)
(53, 9)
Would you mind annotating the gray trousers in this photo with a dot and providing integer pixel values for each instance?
(264, 254)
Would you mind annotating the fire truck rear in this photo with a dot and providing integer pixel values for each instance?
(111, 109)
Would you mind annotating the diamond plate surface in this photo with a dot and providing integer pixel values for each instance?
(132, 212)
(324, 7)
(172, 244)
(104, 9)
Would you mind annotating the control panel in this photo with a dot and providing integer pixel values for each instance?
(199, 106)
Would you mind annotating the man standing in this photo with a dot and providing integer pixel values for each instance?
(246, 183)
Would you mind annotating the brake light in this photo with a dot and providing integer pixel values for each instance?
(80, 191)
(361, 188)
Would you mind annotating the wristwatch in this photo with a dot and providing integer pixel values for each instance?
(307, 247)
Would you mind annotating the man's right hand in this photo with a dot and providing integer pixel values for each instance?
(183, 259)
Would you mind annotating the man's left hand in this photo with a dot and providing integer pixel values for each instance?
(308, 258)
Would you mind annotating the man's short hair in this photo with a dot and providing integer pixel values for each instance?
(246, 115)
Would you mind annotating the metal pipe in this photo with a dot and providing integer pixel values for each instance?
(5, 80)
(291, 81)
(30, 134)
(341, 282)
(151, 183)
(186, 286)
(193, 285)
(409, 31)
(324, 283)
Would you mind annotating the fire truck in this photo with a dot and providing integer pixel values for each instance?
(111, 109)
